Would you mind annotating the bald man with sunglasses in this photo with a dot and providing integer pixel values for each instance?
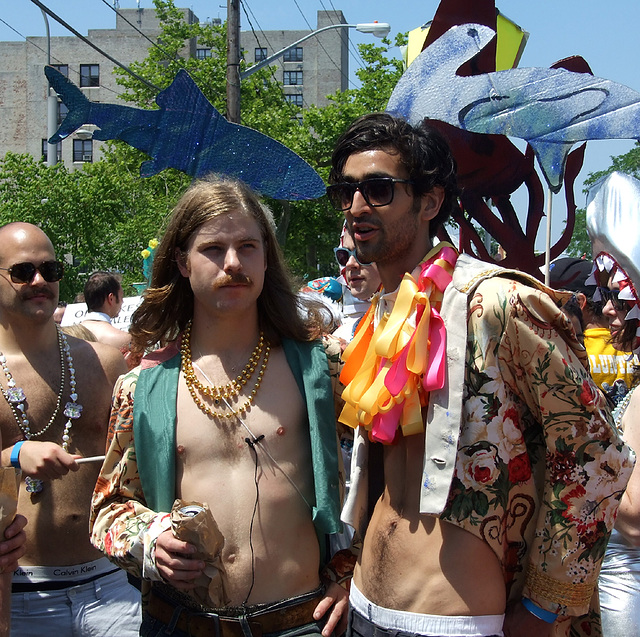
(55, 411)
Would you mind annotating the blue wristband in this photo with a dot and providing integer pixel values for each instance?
(15, 454)
(540, 613)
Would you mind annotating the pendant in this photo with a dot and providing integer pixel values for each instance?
(15, 395)
(34, 485)
(72, 410)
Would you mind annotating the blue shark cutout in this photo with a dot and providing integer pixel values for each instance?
(552, 109)
(187, 133)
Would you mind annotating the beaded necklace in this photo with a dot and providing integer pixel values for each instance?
(228, 390)
(17, 401)
(621, 407)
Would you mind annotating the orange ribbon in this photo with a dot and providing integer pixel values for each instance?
(389, 372)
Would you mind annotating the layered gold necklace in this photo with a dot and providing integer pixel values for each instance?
(228, 391)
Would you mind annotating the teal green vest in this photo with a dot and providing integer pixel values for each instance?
(154, 429)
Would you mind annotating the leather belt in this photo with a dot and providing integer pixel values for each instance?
(212, 625)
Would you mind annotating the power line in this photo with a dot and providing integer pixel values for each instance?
(353, 51)
(60, 62)
(273, 75)
(142, 33)
(322, 46)
(93, 46)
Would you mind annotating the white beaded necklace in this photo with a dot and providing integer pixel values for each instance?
(17, 400)
(621, 407)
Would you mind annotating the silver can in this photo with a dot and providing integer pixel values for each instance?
(191, 510)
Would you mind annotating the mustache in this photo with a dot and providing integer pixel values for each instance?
(31, 292)
(232, 279)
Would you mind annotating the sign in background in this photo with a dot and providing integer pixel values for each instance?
(76, 312)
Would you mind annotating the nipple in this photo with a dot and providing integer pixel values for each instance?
(280, 431)
(180, 450)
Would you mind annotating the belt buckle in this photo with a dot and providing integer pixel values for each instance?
(249, 628)
(213, 617)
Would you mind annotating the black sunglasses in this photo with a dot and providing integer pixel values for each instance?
(376, 192)
(51, 271)
(344, 254)
(612, 295)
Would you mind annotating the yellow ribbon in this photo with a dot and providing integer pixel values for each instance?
(370, 355)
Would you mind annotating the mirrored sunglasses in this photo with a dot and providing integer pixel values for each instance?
(344, 254)
(51, 271)
(612, 295)
(376, 192)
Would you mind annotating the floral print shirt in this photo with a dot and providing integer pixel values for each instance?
(539, 467)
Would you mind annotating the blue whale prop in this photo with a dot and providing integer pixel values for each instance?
(187, 133)
(552, 109)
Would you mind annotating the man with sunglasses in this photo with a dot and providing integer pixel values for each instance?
(472, 381)
(55, 410)
(362, 281)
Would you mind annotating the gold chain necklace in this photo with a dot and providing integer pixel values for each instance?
(227, 390)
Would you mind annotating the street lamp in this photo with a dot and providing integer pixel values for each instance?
(378, 29)
(234, 76)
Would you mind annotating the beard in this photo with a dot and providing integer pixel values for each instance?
(394, 239)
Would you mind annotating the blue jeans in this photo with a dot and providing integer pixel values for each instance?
(107, 607)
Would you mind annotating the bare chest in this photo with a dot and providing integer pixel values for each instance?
(47, 390)
(277, 418)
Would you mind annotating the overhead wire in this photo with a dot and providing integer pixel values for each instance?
(294, 111)
(135, 28)
(323, 48)
(353, 50)
(59, 62)
(79, 35)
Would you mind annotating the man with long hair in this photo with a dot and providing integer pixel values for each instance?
(494, 436)
(235, 413)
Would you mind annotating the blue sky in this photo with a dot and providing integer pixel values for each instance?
(604, 33)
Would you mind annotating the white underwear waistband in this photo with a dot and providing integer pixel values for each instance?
(73, 573)
(428, 625)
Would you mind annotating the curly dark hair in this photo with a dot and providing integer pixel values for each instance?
(422, 151)
(167, 306)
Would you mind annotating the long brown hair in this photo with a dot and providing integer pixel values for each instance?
(167, 306)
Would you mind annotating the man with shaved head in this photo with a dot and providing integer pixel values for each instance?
(55, 410)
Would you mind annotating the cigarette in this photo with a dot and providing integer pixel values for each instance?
(90, 459)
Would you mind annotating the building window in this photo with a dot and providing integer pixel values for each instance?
(62, 112)
(296, 100)
(45, 150)
(261, 54)
(292, 78)
(82, 150)
(203, 54)
(89, 75)
(62, 68)
(293, 55)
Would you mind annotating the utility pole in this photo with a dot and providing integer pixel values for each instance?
(233, 61)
